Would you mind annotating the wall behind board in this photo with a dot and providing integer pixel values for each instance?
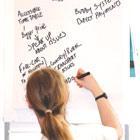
(67, 35)
(131, 86)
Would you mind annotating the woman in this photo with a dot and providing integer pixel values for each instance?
(47, 95)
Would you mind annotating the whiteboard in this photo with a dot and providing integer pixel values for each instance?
(1, 60)
(66, 35)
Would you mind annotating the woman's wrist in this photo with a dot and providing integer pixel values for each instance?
(97, 92)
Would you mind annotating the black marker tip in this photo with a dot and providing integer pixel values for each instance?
(83, 75)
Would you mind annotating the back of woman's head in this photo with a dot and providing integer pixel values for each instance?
(47, 94)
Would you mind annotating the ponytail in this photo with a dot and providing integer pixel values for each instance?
(54, 128)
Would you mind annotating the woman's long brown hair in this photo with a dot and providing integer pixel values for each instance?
(46, 89)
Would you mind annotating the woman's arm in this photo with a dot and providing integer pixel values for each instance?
(107, 114)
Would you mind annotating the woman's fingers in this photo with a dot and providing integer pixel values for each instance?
(79, 82)
(80, 71)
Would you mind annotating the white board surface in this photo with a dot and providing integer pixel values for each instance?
(67, 35)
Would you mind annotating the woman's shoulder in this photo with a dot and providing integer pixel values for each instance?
(93, 132)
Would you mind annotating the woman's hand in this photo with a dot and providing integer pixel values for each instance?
(89, 83)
